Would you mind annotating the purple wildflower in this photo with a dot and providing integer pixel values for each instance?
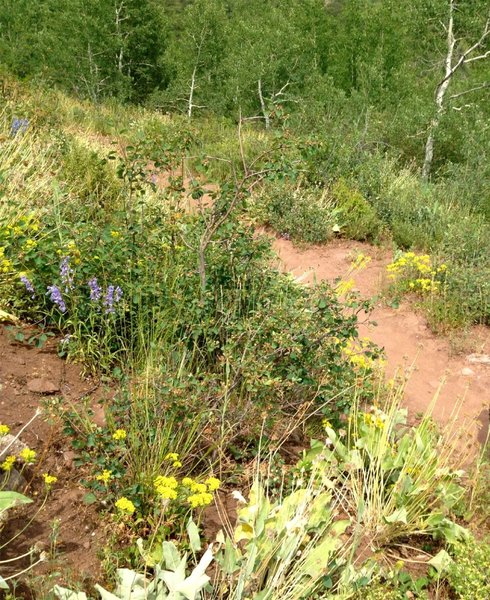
(55, 296)
(109, 300)
(29, 286)
(18, 126)
(66, 273)
(95, 289)
(112, 296)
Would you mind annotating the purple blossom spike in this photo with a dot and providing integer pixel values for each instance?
(56, 297)
(118, 294)
(109, 300)
(66, 273)
(18, 126)
(29, 287)
(95, 289)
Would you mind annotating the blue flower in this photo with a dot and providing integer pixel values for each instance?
(18, 126)
(29, 286)
(66, 273)
(56, 297)
(112, 296)
(95, 289)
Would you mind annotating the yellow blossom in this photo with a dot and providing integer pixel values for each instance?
(201, 499)
(115, 234)
(4, 429)
(166, 482)
(172, 456)
(28, 455)
(8, 463)
(30, 244)
(166, 492)
(198, 488)
(49, 479)
(104, 476)
(125, 506)
(326, 424)
(119, 434)
(213, 483)
(187, 481)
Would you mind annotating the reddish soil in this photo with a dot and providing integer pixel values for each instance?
(24, 369)
(411, 347)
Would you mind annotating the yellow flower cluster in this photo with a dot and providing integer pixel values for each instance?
(355, 352)
(119, 435)
(343, 287)
(6, 265)
(174, 458)
(166, 487)
(49, 479)
(195, 493)
(8, 463)
(417, 272)
(326, 424)
(28, 455)
(125, 506)
(104, 477)
(376, 420)
(4, 429)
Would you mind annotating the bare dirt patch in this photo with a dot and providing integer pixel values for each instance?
(411, 347)
(30, 377)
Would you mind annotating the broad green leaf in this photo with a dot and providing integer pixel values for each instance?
(66, 594)
(9, 499)
(194, 538)
(4, 586)
(398, 516)
(441, 561)
(171, 556)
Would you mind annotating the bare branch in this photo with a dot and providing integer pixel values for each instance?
(474, 89)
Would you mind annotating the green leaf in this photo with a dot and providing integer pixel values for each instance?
(399, 516)
(66, 594)
(10, 499)
(194, 538)
(3, 584)
(90, 498)
(171, 556)
(441, 561)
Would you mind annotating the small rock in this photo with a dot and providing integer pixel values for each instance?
(86, 545)
(69, 456)
(467, 372)
(42, 386)
(9, 444)
(483, 359)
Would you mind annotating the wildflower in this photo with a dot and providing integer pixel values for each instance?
(18, 126)
(198, 488)
(326, 424)
(30, 244)
(56, 297)
(65, 339)
(28, 285)
(109, 300)
(200, 499)
(172, 456)
(165, 482)
(119, 435)
(213, 483)
(125, 505)
(104, 477)
(115, 234)
(166, 492)
(66, 273)
(187, 481)
(95, 289)
(4, 429)
(28, 455)
(49, 479)
(8, 463)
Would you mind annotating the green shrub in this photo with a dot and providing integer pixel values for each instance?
(302, 214)
(469, 574)
(358, 217)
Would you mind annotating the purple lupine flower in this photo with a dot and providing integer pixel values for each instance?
(18, 126)
(29, 287)
(95, 289)
(66, 273)
(118, 294)
(56, 297)
(109, 300)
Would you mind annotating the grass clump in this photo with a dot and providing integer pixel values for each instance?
(469, 573)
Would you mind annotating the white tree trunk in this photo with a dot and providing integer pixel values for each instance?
(262, 106)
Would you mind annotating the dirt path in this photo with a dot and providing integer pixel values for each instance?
(408, 342)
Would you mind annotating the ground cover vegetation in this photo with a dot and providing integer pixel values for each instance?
(142, 147)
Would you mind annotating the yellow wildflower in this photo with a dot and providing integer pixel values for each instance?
(30, 244)
(166, 482)
(8, 463)
(326, 424)
(201, 499)
(125, 506)
(166, 492)
(104, 476)
(187, 481)
(198, 488)
(172, 456)
(115, 234)
(176, 464)
(4, 429)
(28, 455)
(213, 483)
(119, 434)
(49, 479)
